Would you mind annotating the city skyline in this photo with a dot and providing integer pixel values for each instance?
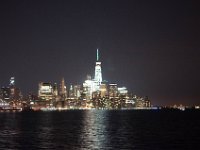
(93, 93)
(152, 48)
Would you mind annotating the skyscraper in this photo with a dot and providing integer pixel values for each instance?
(12, 81)
(5, 93)
(15, 93)
(93, 85)
(71, 91)
(45, 91)
(63, 90)
(113, 91)
(12, 87)
(98, 73)
(77, 91)
(88, 87)
(55, 90)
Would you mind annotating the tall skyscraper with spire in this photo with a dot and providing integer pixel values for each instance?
(93, 85)
(98, 73)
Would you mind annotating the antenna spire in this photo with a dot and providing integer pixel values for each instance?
(97, 54)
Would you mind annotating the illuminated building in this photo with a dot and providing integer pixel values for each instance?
(88, 87)
(147, 102)
(98, 73)
(63, 90)
(12, 87)
(15, 93)
(103, 90)
(5, 93)
(122, 91)
(55, 90)
(71, 91)
(10, 96)
(12, 81)
(140, 102)
(77, 91)
(45, 91)
(113, 90)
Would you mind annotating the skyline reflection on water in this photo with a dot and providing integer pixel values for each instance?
(93, 132)
(100, 129)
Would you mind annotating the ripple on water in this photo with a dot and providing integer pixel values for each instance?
(100, 129)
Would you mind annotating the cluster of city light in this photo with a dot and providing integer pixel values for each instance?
(4, 104)
(94, 93)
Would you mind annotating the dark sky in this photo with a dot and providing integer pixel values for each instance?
(152, 47)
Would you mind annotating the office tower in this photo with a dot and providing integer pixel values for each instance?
(63, 89)
(77, 91)
(103, 90)
(122, 91)
(55, 90)
(12, 81)
(147, 101)
(98, 73)
(45, 91)
(113, 91)
(71, 91)
(12, 87)
(88, 87)
(15, 93)
(93, 85)
(5, 93)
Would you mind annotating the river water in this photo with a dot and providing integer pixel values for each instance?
(100, 129)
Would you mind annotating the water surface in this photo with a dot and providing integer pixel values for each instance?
(100, 129)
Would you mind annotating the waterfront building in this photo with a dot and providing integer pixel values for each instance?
(122, 91)
(63, 89)
(113, 90)
(147, 102)
(45, 91)
(11, 92)
(5, 94)
(140, 102)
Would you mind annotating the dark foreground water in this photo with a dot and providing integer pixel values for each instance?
(100, 129)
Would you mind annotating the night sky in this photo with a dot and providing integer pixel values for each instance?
(151, 47)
